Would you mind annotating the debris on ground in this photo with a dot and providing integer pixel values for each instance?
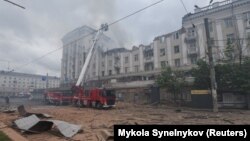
(228, 121)
(94, 121)
(8, 109)
(105, 135)
(24, 113)
(66, 129)
(33, 124)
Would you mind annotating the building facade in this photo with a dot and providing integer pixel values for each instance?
(76, 45)
(13, 83)
(229, 22)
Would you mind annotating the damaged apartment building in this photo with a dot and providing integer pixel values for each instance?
(139, 66)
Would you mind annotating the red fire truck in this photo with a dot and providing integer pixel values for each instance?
(95, 97)
(58, 96)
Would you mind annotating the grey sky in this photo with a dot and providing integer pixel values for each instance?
(31, 33)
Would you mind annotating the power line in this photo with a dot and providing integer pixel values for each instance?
(135, 12)
(184, 6)
(14, 4)
(116, 21)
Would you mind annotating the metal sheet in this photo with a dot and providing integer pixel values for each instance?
(66, 129)
(33, 124)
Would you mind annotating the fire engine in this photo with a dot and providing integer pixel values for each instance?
(58, 96)
(94, 97)
(87, 96)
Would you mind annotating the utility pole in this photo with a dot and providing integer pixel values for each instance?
(211, 67)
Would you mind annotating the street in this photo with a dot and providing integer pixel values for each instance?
(93, 121)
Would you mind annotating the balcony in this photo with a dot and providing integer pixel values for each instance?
(192, 51)
(148, 59)
(117, 65)
(190, 38)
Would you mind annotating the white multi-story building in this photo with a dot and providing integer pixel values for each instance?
(76, 45)
(13, 83)
(229, 21)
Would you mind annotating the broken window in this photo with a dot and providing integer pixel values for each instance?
(230, 38)
(162, 39)
(177, 62)
(193, 59)
(148, 53)
(228, 22)
(149, 66)
(176, 35)
(162, 52)
(176, 49)
(163, 64)
(191, 32)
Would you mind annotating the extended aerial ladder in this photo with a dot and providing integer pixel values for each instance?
(82, 96)
(96, 97)
(104, 27)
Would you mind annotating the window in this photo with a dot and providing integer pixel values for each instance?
(193, 59)
(93, 66)
(149, 66)
(230, 38)
(136, 68)
(228, 22)
(103, 64)
(176, 49)
(176, 35)
(148, 53)
(110, 72)
(247, 16)
(136, 57)
(192, 48)
(162, 52)
(163, 64)
(191, 32)
(126, 59)
(117, 71)
(162, 39)
(102, 73)
(126, 69)
(177, 62)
